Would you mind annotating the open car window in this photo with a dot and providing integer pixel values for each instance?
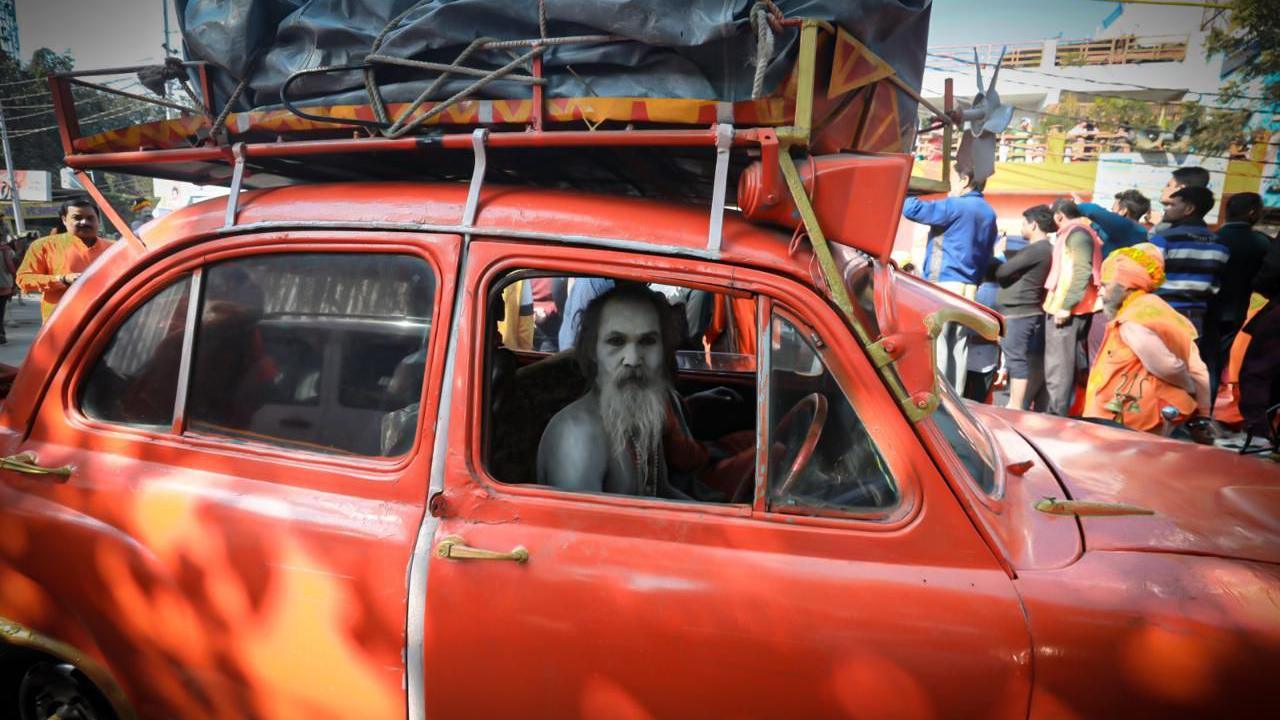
(708, 385)
(549, 419)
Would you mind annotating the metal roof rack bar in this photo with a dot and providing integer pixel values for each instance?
(460, 141)
(724, 140)
(237, 179)
(478, 137)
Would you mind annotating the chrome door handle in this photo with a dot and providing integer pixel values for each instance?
(27, 462)
(452, 548)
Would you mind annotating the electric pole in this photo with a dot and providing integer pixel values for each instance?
(19, 225)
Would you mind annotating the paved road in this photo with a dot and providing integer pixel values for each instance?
(21, 323)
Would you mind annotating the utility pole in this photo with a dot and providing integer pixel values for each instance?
(164, 12)
(19, 225)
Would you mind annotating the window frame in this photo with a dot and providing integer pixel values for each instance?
(822, 350)
(108, 320)
(771, 289)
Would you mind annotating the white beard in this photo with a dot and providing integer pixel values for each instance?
(634, 417)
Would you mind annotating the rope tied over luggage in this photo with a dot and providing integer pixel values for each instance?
(765, 21)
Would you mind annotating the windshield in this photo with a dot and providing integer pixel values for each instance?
(966, 438)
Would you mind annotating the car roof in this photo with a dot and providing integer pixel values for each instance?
(572, 217)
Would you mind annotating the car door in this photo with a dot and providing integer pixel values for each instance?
(565, 604)
(226, 559)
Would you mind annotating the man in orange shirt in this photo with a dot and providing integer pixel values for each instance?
(1148, 359)
(53, 263)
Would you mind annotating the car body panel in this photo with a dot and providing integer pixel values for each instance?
(1138, 634)
(215, 577)
(649, 608)
(1205, 500)
(1031, 540)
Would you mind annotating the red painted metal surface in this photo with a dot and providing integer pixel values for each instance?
(644, 608)
(224, 579)
(301, 148)
(857, 198)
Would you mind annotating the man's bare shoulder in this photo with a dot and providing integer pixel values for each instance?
(579, 420)
(572, 453)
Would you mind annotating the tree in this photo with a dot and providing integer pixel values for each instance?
(1251, 30)
(34, 138)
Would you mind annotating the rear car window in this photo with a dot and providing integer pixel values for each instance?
(134, 381)
(324, 352)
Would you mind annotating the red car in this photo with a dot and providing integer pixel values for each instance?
(281, 456)
(263, 471)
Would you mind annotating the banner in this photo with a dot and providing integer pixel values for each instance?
(32, 185)
(174, 194)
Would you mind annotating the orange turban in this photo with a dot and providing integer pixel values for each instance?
(1138, 267)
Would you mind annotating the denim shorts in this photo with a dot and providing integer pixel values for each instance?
(1023, 343)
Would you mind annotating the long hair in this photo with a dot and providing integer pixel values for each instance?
(589, 328)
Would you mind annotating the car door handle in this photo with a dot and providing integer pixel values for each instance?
(451, 547)
(28, 463)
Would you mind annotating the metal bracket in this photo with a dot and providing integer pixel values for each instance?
(724, 141)
(769, 181)
(237, 179)
(478, 138)
(885, 351)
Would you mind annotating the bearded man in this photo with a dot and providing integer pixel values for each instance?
(610, 440)
(1148, 359)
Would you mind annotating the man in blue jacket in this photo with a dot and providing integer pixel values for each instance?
(1121, 226)
(962, 232)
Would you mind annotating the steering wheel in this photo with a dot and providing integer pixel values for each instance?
(800, 440)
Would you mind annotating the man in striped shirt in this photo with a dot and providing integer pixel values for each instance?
(1194, 260)
(1195, 263)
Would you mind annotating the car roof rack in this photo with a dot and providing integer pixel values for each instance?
(198, 146)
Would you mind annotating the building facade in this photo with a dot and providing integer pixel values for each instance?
(9, 27)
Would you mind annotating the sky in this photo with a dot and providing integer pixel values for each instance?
(110, 33)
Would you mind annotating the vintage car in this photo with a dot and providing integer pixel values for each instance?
(274, 457)
(222, 496)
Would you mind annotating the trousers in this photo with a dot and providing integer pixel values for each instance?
(1065, 353)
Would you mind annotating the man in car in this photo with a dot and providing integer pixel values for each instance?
(610, 440)
(627, 433)
(1148, 359)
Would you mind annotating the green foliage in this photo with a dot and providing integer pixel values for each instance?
(34, 139)
(1252, 31)
(1253, 27)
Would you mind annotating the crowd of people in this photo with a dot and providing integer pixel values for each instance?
(1112, 317)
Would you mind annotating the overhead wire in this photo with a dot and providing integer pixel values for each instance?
(1060, 76)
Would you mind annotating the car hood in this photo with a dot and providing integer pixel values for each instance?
(1205, 500)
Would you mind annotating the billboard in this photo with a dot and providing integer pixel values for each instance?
(174, 194)
(32, 185)
(1148, 173)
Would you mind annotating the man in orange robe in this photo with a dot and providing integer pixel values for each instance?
(1148, 359)
(53, 263)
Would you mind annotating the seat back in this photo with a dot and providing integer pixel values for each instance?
(521, 410)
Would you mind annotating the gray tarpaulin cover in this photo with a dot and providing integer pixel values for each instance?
(680, 48)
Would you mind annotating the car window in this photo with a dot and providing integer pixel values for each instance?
(696, 414)
(325, 352)
(966, 439)
(135, 379)
(821, 456)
